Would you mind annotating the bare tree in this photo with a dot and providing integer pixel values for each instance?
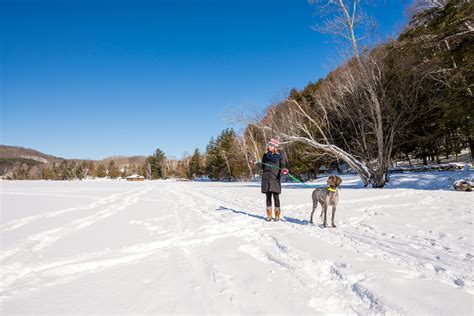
(244, 148)
(358, 111)
(226, 159)
(345, 19)
(422, 5)
(295, 122)
(147, 170)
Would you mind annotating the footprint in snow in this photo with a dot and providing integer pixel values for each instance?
(459, 282)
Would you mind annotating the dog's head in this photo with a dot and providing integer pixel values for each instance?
(334, 181)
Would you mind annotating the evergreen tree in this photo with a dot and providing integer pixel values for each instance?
(195, 165)
(215, 163)
(140, 170)
(67, 170)
(101, 172)
(440, 37)
(124, 173)
(47, 174)
(113, 170)
(156, 164)
(224, 159)
(90, 168)
(79, 171)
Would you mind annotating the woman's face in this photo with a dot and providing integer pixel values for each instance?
(271, 148)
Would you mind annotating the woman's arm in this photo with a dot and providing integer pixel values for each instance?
(284, 164)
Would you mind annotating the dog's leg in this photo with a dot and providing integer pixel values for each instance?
(315, 204)
(333, 214)
(325, 211)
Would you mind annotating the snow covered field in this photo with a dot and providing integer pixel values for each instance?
(203, 247)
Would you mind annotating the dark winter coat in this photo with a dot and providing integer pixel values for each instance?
(271, 177)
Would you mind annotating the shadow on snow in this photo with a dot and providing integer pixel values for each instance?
(285, 218)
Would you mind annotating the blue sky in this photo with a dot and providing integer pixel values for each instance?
(90, 79)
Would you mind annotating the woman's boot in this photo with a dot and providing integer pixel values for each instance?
(277, 213)
(269, 213)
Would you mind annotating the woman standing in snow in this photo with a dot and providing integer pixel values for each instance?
(274, 163)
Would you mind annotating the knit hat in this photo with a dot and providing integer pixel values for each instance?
(274, 142)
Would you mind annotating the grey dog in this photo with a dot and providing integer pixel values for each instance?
(327, 196)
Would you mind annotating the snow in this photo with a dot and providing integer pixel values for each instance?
(204, 247)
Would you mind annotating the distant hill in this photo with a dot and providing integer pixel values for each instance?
(122, 161)
(21, 153)
(15, 152)
(20, 160)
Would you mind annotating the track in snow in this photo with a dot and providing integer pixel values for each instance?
(210, 243)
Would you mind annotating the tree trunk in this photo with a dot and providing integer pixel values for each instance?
(243, 147)
(409, 161)
(387, 176)
(378, 180)
(471, 147)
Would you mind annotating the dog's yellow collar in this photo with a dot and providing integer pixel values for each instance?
(331, 189)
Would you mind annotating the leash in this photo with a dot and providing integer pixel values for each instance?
(275, 167)
(290, 175)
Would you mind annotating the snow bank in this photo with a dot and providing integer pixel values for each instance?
(433, 180)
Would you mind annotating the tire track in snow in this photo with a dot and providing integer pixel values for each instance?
(19, 278)
(313, 275)
(421, 259)
(422, 262)
(17, 223)
(331, 275)
(46, 238)
(330, 289)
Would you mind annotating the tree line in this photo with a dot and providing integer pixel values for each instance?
(407, 98)
(410, 97)
(28, 169)
(402, 99)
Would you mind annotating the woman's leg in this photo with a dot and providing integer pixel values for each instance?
(269, 206)
(276, 198)
(269, 199)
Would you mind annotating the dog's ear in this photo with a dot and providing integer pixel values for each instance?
(338, 181)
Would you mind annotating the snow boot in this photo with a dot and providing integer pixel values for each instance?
(277, 213)
(269, 214)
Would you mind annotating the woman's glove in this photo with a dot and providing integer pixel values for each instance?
(285, 171)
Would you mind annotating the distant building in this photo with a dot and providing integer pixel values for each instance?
(135, 177)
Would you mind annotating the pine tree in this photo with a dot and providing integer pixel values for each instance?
(100, 172)
(113, 170)
(215, 163)
(47, 174)
(156, 164)
(79, 171)
(224, 158)
(195, 165)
